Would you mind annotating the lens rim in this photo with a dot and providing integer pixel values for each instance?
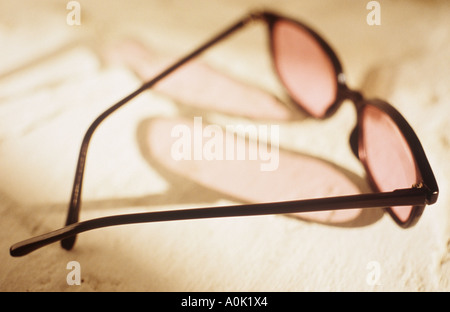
(425, 176)
(272, 19)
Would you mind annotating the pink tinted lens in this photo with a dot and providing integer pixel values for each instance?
(304, 67)
(388, 156)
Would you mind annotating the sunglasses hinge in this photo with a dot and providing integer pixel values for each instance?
(431, 195)
(255, 16)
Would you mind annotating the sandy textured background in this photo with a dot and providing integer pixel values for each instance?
(55, 79)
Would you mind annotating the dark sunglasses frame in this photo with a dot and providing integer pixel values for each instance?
(424, 192)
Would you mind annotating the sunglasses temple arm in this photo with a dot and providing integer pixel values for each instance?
(75, 200)
(412, 196)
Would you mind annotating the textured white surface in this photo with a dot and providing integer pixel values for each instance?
(54, 80)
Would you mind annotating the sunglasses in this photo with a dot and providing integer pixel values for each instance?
(390, 151)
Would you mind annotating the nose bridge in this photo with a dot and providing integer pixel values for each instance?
(357, 99)
(355, 96)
